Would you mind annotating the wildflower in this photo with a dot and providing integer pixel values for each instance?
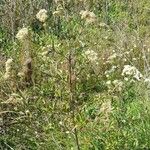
(127, 53)
(126, 79)
(134, 59)
(147, 80)
(112, 56)
(21, 74)
(67, 132)
(42, 15)
(91, 55)
(118, 84)
(102, 24)
(111, 70)
(108, 82)
(90, 17)
(132, 71)
(22, 34)
(45, 53)
(61, 123)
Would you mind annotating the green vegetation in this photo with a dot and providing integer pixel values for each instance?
(75, 75)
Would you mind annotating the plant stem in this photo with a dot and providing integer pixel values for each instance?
(72, 101)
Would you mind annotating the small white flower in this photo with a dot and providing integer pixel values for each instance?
(132, 71)
(126, 79)
(91, 55)
(22, 34)
(44, 53)
(108, 82)
(113, 56)
(61, 123)
(118, 84)
(21, 74)
(102, 24)
(147, 80)
(67, 132)
(42, 15)
(107, 75)
(89, 16)
(134, 59)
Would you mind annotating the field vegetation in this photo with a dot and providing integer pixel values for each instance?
(74, 74)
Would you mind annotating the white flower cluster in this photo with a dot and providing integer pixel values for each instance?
(8, 66)
(147, 80)
(109, 72)
(112, 58)
(91, 55)
(22, 34)
(42, 15)
(116, 84)
(89, 16)
(132, 71)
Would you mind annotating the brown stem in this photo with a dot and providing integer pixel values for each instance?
(72, 101)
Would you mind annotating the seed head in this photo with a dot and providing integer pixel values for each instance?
(42, 15)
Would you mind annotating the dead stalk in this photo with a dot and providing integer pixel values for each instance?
(72, 95)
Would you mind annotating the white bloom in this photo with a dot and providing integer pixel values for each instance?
(102, 24)
(118, 84)
(126, 79)
(67, 132)
(134, 59)
(147, 80)
(132, 71)
(22, 34)
(44, 53)
(90, 17)
(42, 15)
(113, 56)
(91, 55)
(108, 82)
(107, 75)
(21, 74)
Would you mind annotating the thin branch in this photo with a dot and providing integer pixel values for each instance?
(71, 88)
